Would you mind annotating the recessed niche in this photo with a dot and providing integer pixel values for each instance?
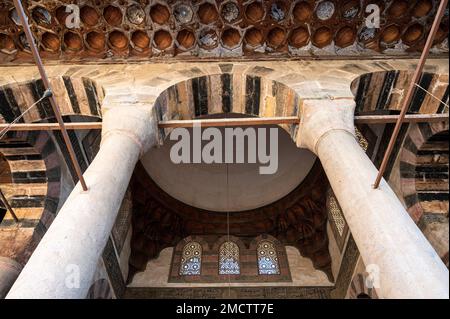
(41, 16)
(276, 37)
(135, 14)
(325, 10)
(113, 15)
(207, 13)
(345, 37)
(254, 37)
(230, 12)
(302, 11)
(50, 41)
(186, 39)
(118, 40)
(254, 12)
(159, 13)
(73, 41)
(162, 39)
(140, 39)
(96, 40)
(231, 38)
(89, 16)
(299, 37)
(322, 37)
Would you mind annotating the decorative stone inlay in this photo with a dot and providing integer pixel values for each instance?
(135, 14)
(230, 12)
(183, 13)
(325, 10)
(278, 11)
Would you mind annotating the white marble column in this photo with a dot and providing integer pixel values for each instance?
(386, 236)
(9, 270)
(64, 263)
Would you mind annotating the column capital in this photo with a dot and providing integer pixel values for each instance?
(137, 122)
(319, 117)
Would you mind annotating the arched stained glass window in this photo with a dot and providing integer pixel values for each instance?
(191, 260)
(267, 259)
(229, 259)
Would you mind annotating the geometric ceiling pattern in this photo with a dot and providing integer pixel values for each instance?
(152, 29)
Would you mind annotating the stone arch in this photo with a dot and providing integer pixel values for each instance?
(191, 259)
(75, 96)
(225, 238)
(283, 264)
(32, 189)
(227, 93)
(417, 138)
(383, 92)
(177, 255)
(229, 258)
(35, 186)
(424, 181)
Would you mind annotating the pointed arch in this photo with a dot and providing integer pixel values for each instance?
(229, 259)
(267, 258)
(191, 259)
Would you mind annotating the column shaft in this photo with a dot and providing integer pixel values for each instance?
(64, 263)
(402, 261)
(385, 234)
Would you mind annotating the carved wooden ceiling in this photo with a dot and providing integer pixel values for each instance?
(130, 30)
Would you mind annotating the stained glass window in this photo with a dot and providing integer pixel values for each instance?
(267, 259)
(229, 259)
(191, 260)
(361, 140)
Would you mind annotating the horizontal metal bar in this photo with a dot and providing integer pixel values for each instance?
(410, 118)
(230, 122)
(359, 119)
(54, 126)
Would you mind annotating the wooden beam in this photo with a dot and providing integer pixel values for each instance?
(359, 119)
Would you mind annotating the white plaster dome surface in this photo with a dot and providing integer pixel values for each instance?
(205, 185)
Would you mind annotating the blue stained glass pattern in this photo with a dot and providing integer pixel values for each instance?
(229, 259)
(191, 260)
(267, 259)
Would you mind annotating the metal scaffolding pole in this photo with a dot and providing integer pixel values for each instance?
(410, 92)
(8, 207)
(47, 85)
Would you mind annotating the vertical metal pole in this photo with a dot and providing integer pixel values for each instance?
(409, 94)
(37, 59)
(8, 207)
